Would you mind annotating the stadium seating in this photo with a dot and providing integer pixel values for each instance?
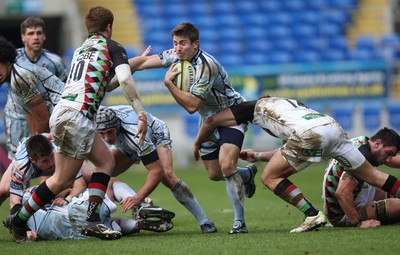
(317, 28)
(393, 109)
(344, 114)
(372, 117)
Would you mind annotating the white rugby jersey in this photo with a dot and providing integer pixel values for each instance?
(157, 131)
(211, 83)
(48, 60)
(282, 117)
(31, 80)
(65, 222)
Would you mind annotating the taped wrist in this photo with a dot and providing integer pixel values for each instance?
(257, 156)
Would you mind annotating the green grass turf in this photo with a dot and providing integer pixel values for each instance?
(268, 219)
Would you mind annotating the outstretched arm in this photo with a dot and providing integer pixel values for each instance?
(253, 156)
(132, 96)
(224, 118)
(144, 62)
(114, 82)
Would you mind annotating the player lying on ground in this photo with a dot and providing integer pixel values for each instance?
(309, 137)
(65, 220)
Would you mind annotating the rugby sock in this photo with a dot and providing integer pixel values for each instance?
(97, 189)
(291, 194)
(392, 185)
(245, 173)
(235, 190)
(39, 199)
(128, 226)
(184, 195)
(122, 190)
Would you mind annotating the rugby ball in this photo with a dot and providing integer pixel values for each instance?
(186, 78)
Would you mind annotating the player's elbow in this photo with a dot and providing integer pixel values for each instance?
(191, 110)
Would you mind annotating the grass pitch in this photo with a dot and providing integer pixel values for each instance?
(268, 218)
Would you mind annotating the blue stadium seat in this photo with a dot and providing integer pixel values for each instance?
(204, 22)
(337, 42)
(211, 47)
(364, 54)
(372, 117)
(201, 9)
(278, 31)
(256, 33)
(208, 34)
(317, 5)
(343, 114)
(228, 20)
(393, 109)
(149, 9)
(171, 22)
(389, 46)
(391, 40)
(132, 51)
(311, 17)
(157, 23)
(176, 9)
(334, 55)
(271, 6)
(312, 43)
(223, 7)
(157, 37)
(279, 57)
(285, 44)
(247, 7)
(365, 42)
(254, 19)
(294, 5)
(305, 31)
(231, 59)
(258, 46)
(339, 17)
(256, 58)
(329, 30)
(232, 47)
(280, 18)
(342, 4)
(230, 33)
(307, 56)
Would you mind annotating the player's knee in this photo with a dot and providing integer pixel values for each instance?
(215, 176)
(267, 181)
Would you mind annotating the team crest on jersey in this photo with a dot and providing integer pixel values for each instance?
(311, 116)
(312, 152)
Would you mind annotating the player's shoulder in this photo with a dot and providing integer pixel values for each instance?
(24, 68)
(51, 55)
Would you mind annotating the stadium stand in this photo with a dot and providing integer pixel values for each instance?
(314, 30)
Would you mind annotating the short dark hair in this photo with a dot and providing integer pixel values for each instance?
(186, 29)
(388, 136)
(38, 146)
(98, 18)
(31, 22)
(7, 51)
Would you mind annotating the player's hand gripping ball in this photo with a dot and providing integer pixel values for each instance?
(186, 78)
